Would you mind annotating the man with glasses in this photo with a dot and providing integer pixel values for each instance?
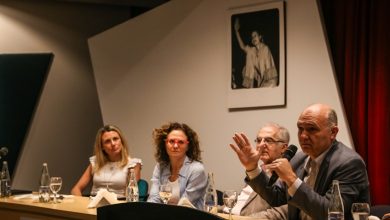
(317, 130)
(272, 140)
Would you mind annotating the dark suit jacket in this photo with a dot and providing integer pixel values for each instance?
(340, 163)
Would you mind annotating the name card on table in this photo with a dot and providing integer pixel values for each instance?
(102, 198)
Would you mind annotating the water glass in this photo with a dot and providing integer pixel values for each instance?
(230, 200)
(165, 193)
(360, 211)
(55, 186)
(44, 194)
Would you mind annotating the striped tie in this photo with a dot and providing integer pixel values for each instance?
(310, 179)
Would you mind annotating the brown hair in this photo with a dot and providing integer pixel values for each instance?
(160, 136)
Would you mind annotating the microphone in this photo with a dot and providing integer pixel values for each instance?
(288, 154)
(3, 152)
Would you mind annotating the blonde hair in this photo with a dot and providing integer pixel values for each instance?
(101, 156)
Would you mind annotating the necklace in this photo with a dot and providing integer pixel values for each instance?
(108, 174)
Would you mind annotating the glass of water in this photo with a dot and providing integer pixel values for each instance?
(55, 186)
(230, 200)
(165, 193)
(360, 211)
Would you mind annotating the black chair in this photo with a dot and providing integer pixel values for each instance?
(143, 189)
(220, 197)
(151, 211)
(379, 210)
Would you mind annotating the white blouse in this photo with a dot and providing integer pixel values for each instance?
(175, 192)
(112, 177)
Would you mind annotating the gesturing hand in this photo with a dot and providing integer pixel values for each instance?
(248, 155)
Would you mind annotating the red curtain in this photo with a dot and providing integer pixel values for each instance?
(359, 36)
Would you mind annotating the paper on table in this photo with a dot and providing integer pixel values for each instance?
(102, 198)
(185, 202)
(25, 196)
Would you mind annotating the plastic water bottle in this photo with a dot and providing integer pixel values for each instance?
(336, 207)
(210, 197)
(132, 194)
(44, 185)
(5, 181)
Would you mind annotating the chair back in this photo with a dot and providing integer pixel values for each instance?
(151, 211)
(220, 197)
(143, 190)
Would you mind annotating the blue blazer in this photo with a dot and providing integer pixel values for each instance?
(192, 181)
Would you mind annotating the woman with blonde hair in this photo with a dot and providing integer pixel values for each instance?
(110, 165)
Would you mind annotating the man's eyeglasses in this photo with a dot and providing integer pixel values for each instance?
(267, 140)
(176, 141)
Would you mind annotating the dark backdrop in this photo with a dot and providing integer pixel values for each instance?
(22, 77)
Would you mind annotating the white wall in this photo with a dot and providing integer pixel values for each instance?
(171, 63)
(68, 115)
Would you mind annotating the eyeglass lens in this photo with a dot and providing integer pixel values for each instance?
(176, 141)
(267, 140)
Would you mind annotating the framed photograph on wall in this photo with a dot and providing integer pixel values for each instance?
(257, 56)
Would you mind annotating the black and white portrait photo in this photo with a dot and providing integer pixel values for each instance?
(255, 49)
(257, 55)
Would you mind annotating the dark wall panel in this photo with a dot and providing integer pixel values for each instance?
(22, 77)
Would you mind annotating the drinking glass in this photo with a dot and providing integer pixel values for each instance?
(360, 211)
(55, 186)
(230, 200)
(165, 193)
